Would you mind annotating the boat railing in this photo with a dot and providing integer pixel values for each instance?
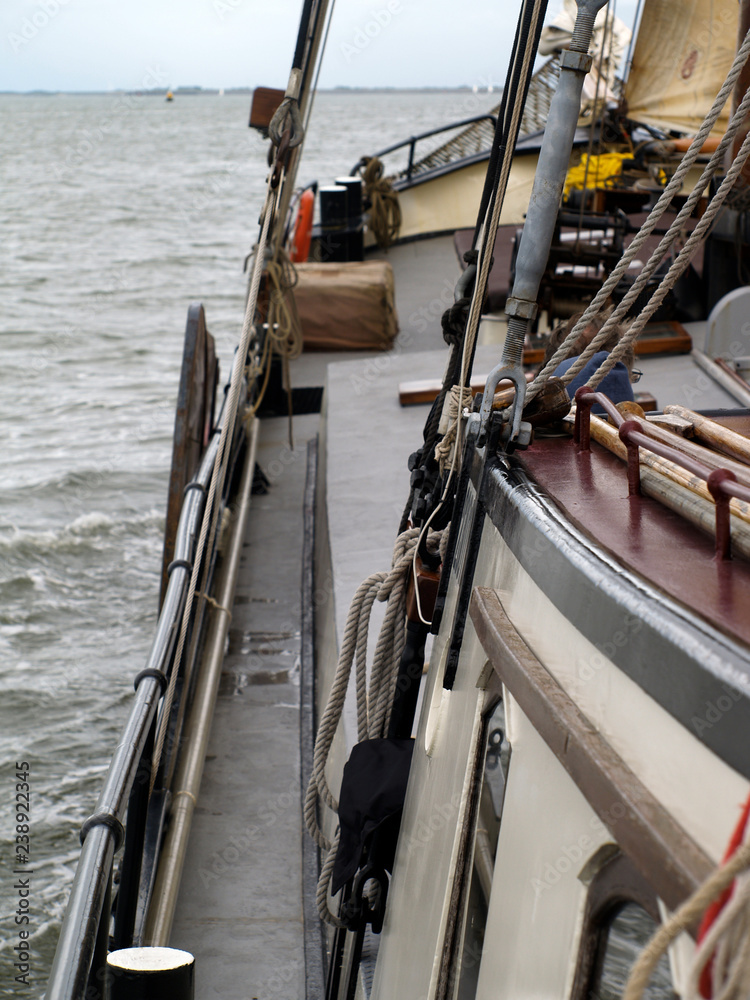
(79, 966)
(411, 143)
(474, 135)
(635, 434)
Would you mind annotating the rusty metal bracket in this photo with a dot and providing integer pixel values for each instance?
(579, 62)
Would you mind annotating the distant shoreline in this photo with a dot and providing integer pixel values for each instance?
(227, 91)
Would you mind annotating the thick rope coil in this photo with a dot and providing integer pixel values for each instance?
(687, 915)
(374, 700)
(385, 211)
(287, 115)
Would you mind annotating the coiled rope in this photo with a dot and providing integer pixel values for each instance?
(385, 211)
(284, 327)
(374, 701)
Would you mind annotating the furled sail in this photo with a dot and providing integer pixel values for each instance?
(609, 41)
(682, 54)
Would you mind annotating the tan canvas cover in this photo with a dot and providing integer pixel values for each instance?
(347, 306)
(682, 55)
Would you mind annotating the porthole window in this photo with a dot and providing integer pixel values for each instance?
(621, 917)
(628, 932)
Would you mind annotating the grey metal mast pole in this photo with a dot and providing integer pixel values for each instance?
(536, 239)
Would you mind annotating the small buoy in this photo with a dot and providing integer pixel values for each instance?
(150, 974)
(303, 228)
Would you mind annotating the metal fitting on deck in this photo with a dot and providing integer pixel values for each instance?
(579, 62)
(520, 308)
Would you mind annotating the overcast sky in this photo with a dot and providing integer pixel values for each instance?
(130, 44)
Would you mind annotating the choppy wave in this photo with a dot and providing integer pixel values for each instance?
(85, 531)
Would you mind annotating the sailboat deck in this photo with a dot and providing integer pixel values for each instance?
(241, 903)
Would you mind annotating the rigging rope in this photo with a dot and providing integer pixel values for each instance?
(727, 940)
(676, 269)
(672, 188)
(284, 327)
(373, 701)
(519, 76)
(488, 229)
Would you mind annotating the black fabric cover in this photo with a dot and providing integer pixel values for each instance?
(373, 788)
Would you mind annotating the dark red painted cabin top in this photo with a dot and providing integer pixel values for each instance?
(647, 537)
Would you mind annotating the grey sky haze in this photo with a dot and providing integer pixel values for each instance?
(132, 44)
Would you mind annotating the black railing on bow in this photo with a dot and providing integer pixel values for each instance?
(411, 142)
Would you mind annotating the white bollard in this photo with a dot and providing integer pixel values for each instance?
(150, 974)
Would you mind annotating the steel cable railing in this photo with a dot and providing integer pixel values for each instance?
(81, 950)
(411, 143)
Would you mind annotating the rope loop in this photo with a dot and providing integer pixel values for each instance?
(727, 940)
(457, 399)
(385, 211)
(287, 115)
(284, 326)
(373, 699)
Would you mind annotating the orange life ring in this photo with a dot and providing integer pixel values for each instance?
(303, 228)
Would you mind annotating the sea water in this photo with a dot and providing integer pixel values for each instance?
(117, 212)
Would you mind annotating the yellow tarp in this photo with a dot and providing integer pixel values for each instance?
(602, 168)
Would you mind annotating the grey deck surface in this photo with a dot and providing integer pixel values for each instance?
(431, 269)
(369, 437)
(676, 378)
(240, 905)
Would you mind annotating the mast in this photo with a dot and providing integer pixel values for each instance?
(293, 113)
(533, 251)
